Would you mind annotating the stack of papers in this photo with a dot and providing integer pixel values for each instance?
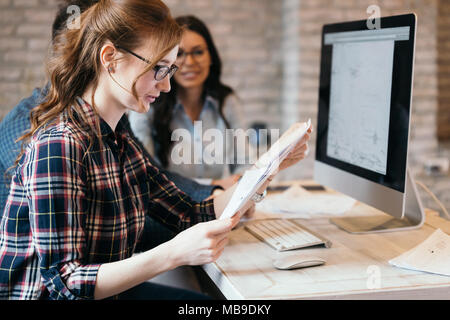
(300, 203)
(432, 255)
(266, 165)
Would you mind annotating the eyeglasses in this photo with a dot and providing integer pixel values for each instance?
(198, 55)
(160, 71)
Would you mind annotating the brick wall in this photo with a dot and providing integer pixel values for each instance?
(25, 27)
(247, 34)
(443, 50)
(303, 20)
(270, 52)
(250, 56)
(311, 15)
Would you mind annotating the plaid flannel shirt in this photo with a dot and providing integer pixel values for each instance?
(72, 208)
(17, 121)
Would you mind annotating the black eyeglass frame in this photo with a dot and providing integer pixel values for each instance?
(166, 70)
(182, 59)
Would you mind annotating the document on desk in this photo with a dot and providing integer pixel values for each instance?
(296, 202)
(266, 165)
(432, 255)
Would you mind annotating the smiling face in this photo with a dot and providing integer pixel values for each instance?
(193, 60)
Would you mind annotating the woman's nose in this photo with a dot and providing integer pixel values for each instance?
(189, 59)
(164, 84)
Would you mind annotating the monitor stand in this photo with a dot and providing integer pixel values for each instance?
(413, 218)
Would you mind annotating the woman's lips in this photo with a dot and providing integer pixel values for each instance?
(189, 75)
(150, 99)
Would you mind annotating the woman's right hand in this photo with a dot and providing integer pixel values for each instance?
(202, 243)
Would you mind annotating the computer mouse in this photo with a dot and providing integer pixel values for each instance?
(290, 262)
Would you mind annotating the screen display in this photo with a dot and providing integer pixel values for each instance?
(364, 100)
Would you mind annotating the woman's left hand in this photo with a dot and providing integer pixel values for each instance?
(299, 152)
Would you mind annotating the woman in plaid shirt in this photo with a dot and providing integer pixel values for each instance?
(82, 186)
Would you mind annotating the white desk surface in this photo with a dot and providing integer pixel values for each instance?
(245, 271)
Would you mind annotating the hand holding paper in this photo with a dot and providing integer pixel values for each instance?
(300, 149)
(288, 150)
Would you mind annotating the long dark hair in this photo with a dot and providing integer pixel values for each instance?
(163, 107)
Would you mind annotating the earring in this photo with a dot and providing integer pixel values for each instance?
(110, 69)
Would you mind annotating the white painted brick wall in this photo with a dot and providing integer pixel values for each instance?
(270, 51)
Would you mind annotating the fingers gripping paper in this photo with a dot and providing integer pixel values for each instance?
(266, 165)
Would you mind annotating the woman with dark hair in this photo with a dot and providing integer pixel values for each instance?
(197, 95)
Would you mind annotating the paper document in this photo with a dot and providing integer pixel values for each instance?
(300, 203)
(432, 255)
(244, 191)
(281, 148)
(266, 165)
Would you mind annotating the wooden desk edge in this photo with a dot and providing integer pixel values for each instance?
(218, 276)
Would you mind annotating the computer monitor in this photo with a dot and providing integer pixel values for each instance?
(363, 123)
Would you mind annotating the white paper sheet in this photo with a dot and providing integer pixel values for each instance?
(432, 255)
(297, 202)
(244, 191)
(254, 178)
